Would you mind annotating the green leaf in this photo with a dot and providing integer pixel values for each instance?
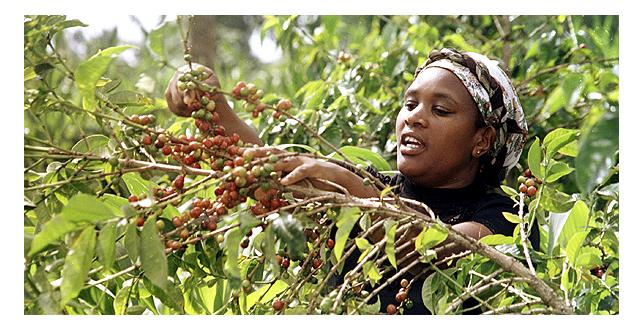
(574, 246)
(558, 139)
(365, 156)
(297, 145)
(85, 208)
(508, 190)
(372, 272)
(429, 290)
(597, 153)
(115, 203)
(88, 73)
(106, 245)
(154, 261)
(248, 221)
(513, 218)
(557, 170)
(120, 302)
(29, 73)
(555, 201)
(390, 227)
(367, 104)
(97, 144)
(534, 159)
(156, 40)
(289, 231)
(576, 222)
(345, 221)
(51, 232)
(364, 247)
(136, 184)
(77, 264)
(171, 296)
(429, 238)
(81, 210)
(497, 240)
(231, 265)
(266, 293)
(589, 258)
(268, 248)
(132, 242)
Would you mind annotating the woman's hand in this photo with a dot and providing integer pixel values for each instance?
(299, 168)
(177, 99)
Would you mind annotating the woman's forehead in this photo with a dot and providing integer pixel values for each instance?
(441, 82)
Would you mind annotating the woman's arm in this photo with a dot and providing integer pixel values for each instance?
(299, 168)
(231, 122)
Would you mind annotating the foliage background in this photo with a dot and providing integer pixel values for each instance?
(565, 69)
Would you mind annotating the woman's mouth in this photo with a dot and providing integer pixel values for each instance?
(411, 144)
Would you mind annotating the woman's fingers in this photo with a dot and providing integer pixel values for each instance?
(295, 176)
(264, 151)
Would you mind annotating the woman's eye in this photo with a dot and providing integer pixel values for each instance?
(410, 105)
(440, 111)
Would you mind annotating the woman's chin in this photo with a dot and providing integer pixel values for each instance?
(409, 168)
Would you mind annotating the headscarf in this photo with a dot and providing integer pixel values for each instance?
(496, 100)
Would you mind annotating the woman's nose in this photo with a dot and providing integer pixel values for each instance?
(416, 118)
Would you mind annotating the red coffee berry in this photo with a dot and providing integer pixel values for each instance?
(178, 182)
(133, 198)
(401, 296)
(166, 150)
(523, 188)
(391, 309)
(177, 221)
(283, 105)
(278, 305)
(330, 243)
(195, 212)
(235, 137)
(140, 221)
(529, 182)
(317, 263)
(531, 191)
(245, 243)
(175, 245)
(528, 173)
(286, 262)
(146, 140)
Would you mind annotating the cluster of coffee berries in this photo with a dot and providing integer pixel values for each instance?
(528, 183)
(401, 297)
(251, 97)
(142, 119)
(201, 216)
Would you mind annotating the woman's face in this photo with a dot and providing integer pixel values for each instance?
(436, 131)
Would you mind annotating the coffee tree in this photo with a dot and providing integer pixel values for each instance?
(130, 210)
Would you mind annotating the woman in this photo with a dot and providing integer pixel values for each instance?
(460, 130)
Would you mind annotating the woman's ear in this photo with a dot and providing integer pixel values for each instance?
(484, 140)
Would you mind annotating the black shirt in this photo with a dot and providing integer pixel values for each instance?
(476, 202)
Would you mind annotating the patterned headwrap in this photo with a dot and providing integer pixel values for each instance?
(495, 97)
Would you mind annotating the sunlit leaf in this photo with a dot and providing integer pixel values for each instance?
(77, 264)
(152, 255)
